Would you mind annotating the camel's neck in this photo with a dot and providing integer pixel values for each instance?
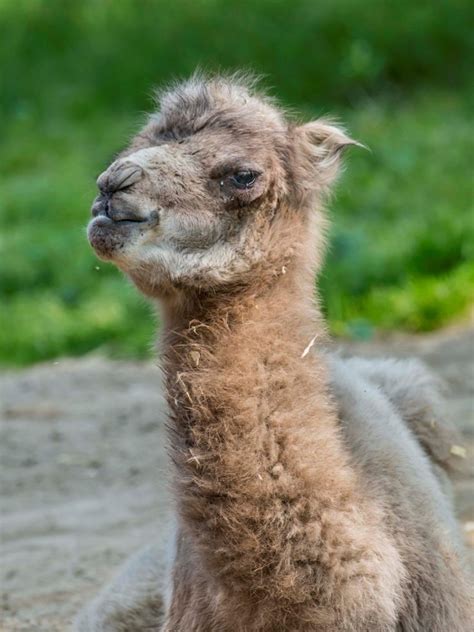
(223, 353)
(253, 431)
(286, 302)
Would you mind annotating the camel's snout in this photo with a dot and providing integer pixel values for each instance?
(123, 211)
(119, 200)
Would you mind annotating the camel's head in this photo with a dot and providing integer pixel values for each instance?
(217, 184)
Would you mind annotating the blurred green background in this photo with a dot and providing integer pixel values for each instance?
(77, 77)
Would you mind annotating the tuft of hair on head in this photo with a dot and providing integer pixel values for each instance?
(184, 107)
(205, 88)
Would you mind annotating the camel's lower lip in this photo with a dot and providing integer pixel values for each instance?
(107, 236)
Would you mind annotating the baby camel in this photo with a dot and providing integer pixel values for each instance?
(308, 490)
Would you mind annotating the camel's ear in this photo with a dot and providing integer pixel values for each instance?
(322, 143)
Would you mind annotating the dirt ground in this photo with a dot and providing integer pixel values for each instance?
(84, 471)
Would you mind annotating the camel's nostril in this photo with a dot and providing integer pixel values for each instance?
(127, 175)
(122, 176)
(119, 176)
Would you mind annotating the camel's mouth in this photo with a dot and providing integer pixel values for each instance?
(108, 236)
(119, 210)
(106, 222)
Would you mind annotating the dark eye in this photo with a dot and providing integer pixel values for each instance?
(244, 179)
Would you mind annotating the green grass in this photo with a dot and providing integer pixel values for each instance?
(402, 245)
(79, 76)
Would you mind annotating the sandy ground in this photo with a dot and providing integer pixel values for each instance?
(84, 471)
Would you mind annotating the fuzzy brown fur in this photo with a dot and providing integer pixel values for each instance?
(287, 518)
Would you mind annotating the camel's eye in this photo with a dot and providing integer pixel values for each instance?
(244, 179)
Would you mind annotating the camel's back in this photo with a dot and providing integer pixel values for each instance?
(383, 444)
(394, 466)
